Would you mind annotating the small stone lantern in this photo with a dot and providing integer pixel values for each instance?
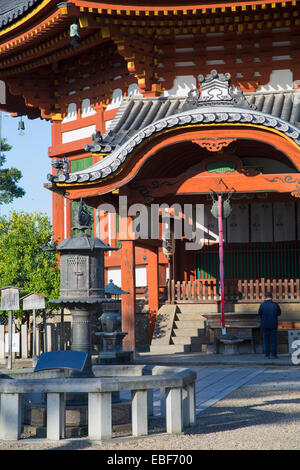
(82, 281)
(111, 337)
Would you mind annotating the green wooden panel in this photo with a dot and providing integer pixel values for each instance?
(221, 167)
(251, 261)
(81, 164)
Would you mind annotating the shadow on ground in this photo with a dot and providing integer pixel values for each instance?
(228, 418)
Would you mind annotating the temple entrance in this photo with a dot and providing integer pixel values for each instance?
(262, 233)
(261, 253)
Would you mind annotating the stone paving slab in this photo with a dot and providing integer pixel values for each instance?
(222, 385)
(202, 359)
(212, 384)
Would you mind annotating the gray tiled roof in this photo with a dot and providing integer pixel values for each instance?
(139, 118)
(11, 10)
(137, 112)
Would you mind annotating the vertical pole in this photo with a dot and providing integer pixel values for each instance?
(9, 361)
(34, 358)
(62, 330)
(2, 342)
(45, 333)
(221, 256)
(24, 341)
(153, 288)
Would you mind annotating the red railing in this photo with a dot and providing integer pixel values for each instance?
(240, 290)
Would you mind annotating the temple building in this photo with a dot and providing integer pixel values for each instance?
(157, 109)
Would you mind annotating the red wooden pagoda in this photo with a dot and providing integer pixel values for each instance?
(170, 103)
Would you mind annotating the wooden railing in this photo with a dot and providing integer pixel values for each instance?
(240, 290)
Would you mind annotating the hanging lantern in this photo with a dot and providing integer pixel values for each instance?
(226, 209)
(168, 238)
(74, 33)
(21, 127)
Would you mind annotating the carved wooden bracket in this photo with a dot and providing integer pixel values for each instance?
(213, 145)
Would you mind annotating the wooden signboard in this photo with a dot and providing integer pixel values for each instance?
(10, 298)
(33, 302)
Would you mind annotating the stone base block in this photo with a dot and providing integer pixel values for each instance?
(115, 357)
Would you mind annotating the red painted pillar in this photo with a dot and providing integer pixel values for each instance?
(58, 217)
(153, 288)
(128, 300)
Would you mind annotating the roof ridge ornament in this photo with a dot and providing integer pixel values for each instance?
(216, 90)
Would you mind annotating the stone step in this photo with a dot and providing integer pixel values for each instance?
(190, 316)
(202, 347)
(188, 340)
(180, 324)
(197, 308)
(189, 308)
(169, 348)
(182, 331)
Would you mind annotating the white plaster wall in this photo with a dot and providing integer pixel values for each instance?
(279, 80)
(141, 276)
(108, 125)
(182, 85)
(114, 274)
(86, 109)
(133, 89)
(117, 97)
(72, 113)
(77, 134)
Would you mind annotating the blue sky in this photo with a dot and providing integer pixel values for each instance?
(30, 155)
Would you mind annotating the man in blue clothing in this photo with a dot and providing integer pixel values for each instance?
(269, 312)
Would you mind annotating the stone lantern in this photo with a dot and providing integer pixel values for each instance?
(82, 282)
(111, 337)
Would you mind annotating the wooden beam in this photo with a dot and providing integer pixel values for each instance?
(204, 184)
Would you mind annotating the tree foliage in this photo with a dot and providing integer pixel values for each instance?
(24, 261)
(9, 177)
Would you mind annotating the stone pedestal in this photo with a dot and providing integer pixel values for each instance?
(81, 333)
(111, 348)
(231, 346)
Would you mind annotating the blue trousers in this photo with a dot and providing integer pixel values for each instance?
(270, 339)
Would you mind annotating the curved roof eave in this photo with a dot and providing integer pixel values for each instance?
(203, 115)
(13, 10)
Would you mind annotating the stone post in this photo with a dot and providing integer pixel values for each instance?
(174, 410)
(2, 342)
(99, 416)
(24, 341)
(10, 416)
(56, 404)
(139, 413)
